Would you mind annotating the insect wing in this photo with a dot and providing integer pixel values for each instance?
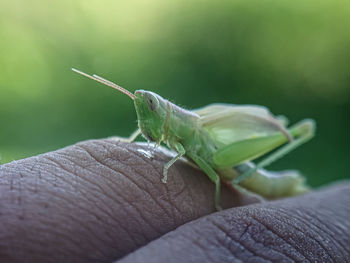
(227, 123)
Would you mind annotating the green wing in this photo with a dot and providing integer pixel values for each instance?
(227, 123)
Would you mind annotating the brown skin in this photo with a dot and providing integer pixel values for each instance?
(101, 200)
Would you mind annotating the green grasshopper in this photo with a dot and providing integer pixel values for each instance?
(223, 139)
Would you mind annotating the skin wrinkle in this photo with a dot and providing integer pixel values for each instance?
(124, 149)
(89, 230)
(325, 250)
(311, 225)
(156, 169)
(139, 212)
(174, 209)
(286, 223)
(67, 237)
(239, 241)
(173, 198)
(222, 243)
(146, 161)
(331, 238)
(203, 248)
(141, 190)
(180, 192)
(105, 177)
(191, 198)
(273, 252)
(325, 229)
(343, 247)
(121, 203)
(92, 241)
(279, 236)
(239, 244)
(64, 237)
(304, 232)
(230, 239)
(81, 156)
(51, 160)
(266, 212)
(106, 166)
(118, 149)
(214, 240)
(122, 161)
(59, 165)
(95, 183)
(31, 169)
(86, 178)
(152, 163)
(110, 215)
(245, 230)
(79, 189)
(226, 232)
(315, 217)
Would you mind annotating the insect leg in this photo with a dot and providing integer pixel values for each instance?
(245, 150)
(302, 132)
(181, 151)
(129, 139)
(213, 176)
(134, 135)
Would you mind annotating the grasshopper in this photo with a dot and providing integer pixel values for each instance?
(223, 140)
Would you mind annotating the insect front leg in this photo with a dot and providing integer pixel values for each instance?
(213, 176)
(302, 132)
(131, 138)
(181, 151)
(134, 135)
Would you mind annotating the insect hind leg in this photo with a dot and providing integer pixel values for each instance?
(213, 176)
(301, 132)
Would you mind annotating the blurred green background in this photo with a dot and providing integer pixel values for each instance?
(291, 56)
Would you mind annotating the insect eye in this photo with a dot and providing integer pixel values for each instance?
(152, 102)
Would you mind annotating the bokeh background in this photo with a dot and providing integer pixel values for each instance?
(291, 56)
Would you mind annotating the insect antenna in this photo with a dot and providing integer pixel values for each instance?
(106, 82)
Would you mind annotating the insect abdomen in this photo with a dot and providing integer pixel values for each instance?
(274, 184)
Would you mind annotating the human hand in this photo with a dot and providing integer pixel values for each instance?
(103, 201)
